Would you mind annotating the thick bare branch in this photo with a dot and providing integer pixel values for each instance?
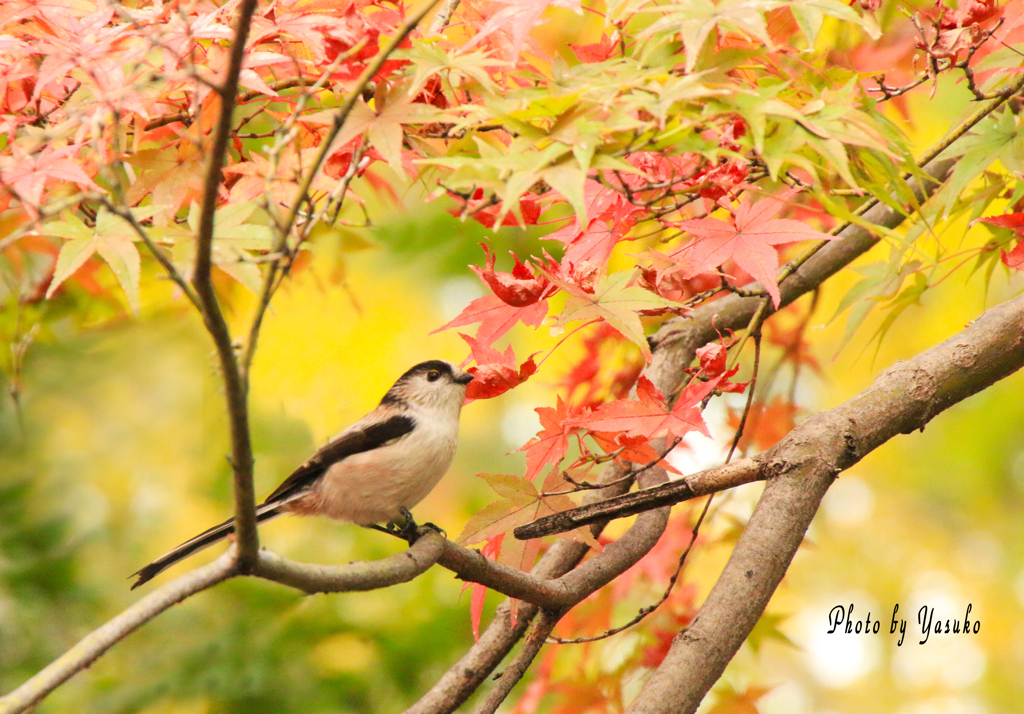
(89, 649)
(518, 666)
(801, 467)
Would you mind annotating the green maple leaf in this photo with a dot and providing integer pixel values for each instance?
(112, 238)
(696, 20)
(615, 302)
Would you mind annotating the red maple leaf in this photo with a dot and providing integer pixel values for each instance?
(1015, 222)
(748, 239)
(649, 416)
(529, 208)
(518, 288)
(610, 218)
(29, 174)
(712, 358)
(552, 441)
(1015, 258)
(495, 373)
(497, 317)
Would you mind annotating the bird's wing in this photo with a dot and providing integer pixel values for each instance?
(355, 440)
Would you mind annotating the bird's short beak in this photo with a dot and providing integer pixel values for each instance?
(464, 378)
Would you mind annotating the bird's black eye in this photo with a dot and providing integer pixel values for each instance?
(433, 375)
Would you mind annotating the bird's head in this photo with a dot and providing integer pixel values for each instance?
(432, 384)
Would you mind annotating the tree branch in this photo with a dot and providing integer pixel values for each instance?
(469, 673)
(713, 480)
(399, 568)
(234, 386)
(97, 642)
(517, 667)
(443, 16)
(801, 467)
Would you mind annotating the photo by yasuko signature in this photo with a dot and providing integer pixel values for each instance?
(841, 620)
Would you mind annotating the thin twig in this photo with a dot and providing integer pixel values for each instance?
(443, 17)
(235, 388)
(285, 227)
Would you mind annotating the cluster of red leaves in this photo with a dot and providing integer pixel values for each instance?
(955, 31)
(132, 86)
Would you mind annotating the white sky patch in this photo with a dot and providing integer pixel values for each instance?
(786, 698)
(849, 502)
(519, 424)
(952, 661)
(838, 659)
(980, 554)
(456, 294)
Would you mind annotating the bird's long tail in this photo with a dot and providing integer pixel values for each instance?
(203, 540)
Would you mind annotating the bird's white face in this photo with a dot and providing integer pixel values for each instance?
(432, 385)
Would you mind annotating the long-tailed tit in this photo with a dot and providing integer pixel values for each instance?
(372, 472)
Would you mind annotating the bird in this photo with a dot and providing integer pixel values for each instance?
(372, 472)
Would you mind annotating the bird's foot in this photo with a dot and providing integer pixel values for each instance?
(409, 529)
(438, 529)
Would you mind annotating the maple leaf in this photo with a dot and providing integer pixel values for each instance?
(518, 288)
(696, 20)
(634, 449)
(649, 416)
(614, 301)
(495, 373)
(610, 218)
(520, 503)
(529, 212)
(490, 550)
(1015, 258)
(496, 317)
(748, 239)
(233, 237)
(597, 51)
(1014, 221)
(29, 175)
(552, 441)
(111, 238)
(170, 176)
(518, 17)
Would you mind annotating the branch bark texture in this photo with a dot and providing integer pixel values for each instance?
(801, 467)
